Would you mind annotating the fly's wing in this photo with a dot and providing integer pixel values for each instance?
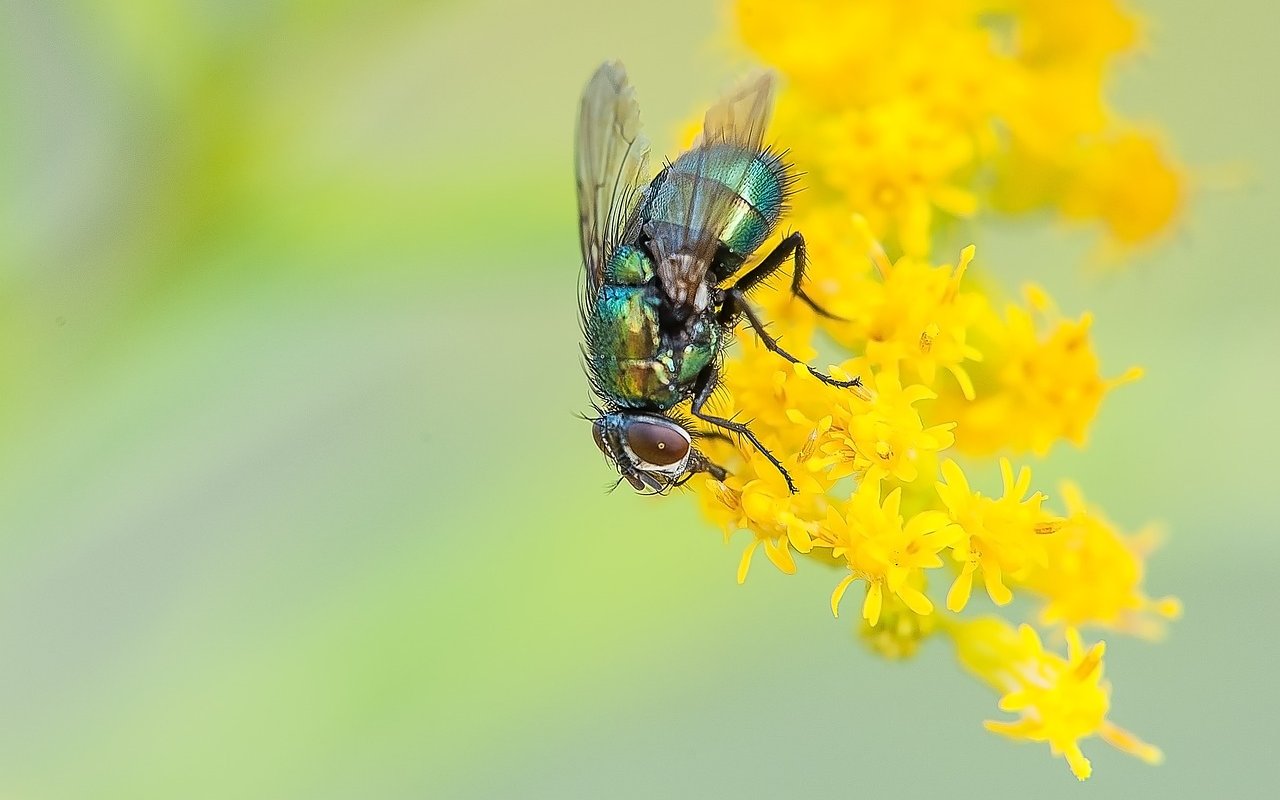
(741, 117)
(710, 201)
(610, 155)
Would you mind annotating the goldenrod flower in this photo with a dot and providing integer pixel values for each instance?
(912, 120)
(1058, 700)
(1004, 537)
(879, 435)
(899, 631)
(755, 498)
(917, 113)
(916, 318)
(1032, 389)
(884, 552)
(1092, 574)
(1128, 184)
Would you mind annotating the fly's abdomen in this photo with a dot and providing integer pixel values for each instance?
(747, 188)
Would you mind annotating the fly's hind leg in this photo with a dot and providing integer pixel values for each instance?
(706, 383)
(791, 247)
(735, 305)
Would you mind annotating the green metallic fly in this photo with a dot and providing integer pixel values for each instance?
(655, 315)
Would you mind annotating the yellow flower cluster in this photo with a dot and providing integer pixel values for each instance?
(922, 112)
(1059, 700)
(910, 116)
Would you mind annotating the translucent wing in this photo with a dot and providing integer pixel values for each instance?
(740, 118)
(610, 155)
(710, 192)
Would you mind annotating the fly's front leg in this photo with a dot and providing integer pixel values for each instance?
(735, 305)
(791, 247)
(700, 463)
(702, 393)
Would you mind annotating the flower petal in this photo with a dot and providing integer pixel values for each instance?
(839, 593)
(745, 563)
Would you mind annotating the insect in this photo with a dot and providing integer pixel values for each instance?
(656, 311)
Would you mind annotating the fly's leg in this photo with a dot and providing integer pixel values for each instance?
(713, 435)
(735, 305)
(791, 247)
(702, 393)
(700, 463)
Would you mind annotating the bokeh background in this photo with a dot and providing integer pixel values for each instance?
(294, 504)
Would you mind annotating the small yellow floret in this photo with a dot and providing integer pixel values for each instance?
(1093, 574)
(1058, 700)
(878, 548)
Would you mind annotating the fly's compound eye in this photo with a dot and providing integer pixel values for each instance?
(657, 445)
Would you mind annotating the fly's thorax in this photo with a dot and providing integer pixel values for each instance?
(630, 363)
(645, 382)
(624, 322)
(673, 265)
(634, 362)
(701, 346)
(646, 349)
(628, 266)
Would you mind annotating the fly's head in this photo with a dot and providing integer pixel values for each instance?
(652, 452)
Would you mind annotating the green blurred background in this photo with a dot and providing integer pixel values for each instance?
(293, 503)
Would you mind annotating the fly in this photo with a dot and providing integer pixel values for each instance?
(659, 305)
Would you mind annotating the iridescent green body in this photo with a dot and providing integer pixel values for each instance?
(758, 179)
(640, 353)
(661, 258)
(634, 362)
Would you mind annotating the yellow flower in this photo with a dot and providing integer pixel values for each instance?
(902, 133)
(769, 388)
(917, 319)
(1082, 34)
(1126, 182)
(755, 498)
(1058, 700)
(899, 631)
(1032, 391)
(1093, 574)
(1002, 538)
(976, 107)
(880, 435)
(835, 51)
(903, 169)
(898, 142)
(879, 549)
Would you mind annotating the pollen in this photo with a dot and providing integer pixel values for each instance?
(927, 337)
